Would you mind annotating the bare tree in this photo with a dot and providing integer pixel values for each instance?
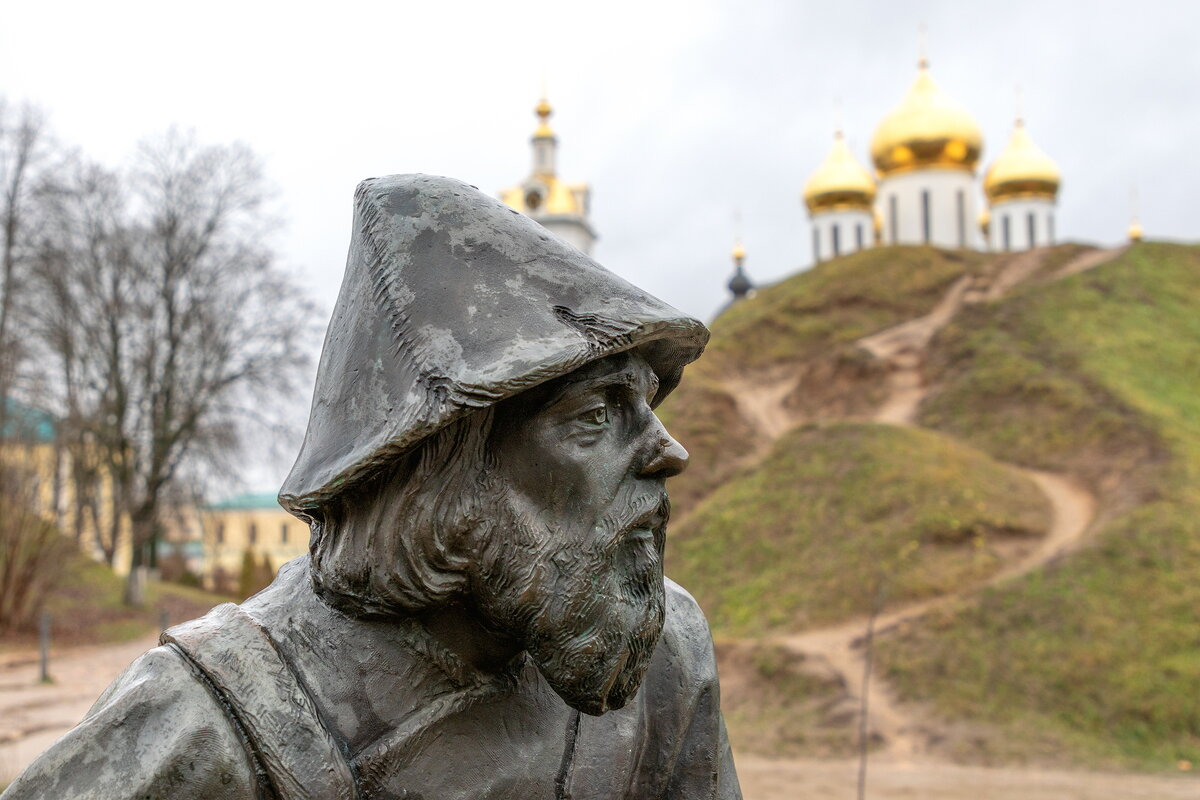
(86, 282)
(31, 549)
(22, 146)
(169, 320)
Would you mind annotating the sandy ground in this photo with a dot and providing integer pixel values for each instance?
(33, 714)
(802, 779)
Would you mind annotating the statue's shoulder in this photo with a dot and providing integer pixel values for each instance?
(158, 677)
(686, 637)
(268, 702)
(683, 607)
(157, 699)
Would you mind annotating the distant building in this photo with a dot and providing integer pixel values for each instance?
(75, 497)
(247, 523)
(739, 284)
(1022, 191)
(560, 207)
(925, 151)
(33, 462)
(924, 190)
(839, 197)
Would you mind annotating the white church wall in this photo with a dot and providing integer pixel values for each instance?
(571, 231)
(952, 208)
(1021, 224)
(839, 233)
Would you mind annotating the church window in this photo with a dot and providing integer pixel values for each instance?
(816, 245)
(1006, 231)
(893, 217)
(837, 239)
(1050, 229)
(1032, 229)
(962, 218)
(858, 239)
(925, 221)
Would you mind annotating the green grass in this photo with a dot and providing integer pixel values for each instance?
(704, 417)
(87, 607)
(804, 537)
(806, 324)
(834, 304)
(1098, 374)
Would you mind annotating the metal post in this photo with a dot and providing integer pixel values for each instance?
(44, 646)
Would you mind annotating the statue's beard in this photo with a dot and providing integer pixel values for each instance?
(589, 610)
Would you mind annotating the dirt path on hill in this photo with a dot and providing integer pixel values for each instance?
(760, 401)
(1085, 261)
(904, 731)
(33, 714)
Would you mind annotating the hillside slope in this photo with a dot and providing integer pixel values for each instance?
(799, 333)
(1098, 375)
(1064, 360)
(835, 514)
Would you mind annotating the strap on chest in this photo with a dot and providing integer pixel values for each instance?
(268, 702)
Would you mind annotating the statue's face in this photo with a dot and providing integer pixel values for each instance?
(574, 568)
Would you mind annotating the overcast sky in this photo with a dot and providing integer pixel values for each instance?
(682, 116)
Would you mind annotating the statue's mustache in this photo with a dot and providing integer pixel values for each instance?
(648, 512)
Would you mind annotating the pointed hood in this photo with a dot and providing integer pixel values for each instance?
(452, 302)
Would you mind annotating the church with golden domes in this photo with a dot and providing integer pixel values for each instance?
(560, 207)
(926, 153)
(924, 187)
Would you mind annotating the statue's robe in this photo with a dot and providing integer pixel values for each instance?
(409, 719)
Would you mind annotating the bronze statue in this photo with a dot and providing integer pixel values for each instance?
(483, 476)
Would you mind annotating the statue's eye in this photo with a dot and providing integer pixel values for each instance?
(595, 417)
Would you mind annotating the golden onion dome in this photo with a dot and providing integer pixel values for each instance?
(543, 111)
(841, 182)
(927, 129)
(1135, 231)
(1022, 170)
(739, 252)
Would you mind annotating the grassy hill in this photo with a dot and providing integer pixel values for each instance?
(1096, 375)
(835, 513)
(807, 327)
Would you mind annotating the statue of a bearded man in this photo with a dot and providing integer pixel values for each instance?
(483, 612)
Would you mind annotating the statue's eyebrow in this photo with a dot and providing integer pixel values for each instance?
(626, 377)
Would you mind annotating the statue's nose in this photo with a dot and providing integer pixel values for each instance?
(669, 459)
